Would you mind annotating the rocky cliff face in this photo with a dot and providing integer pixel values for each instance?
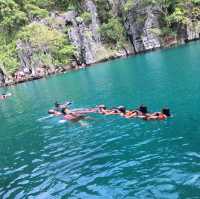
(85, 37)
(2, 78)
(95, 24)
(82, 37)
(149, 39)
(25, 52)
(30, 65)
(139, 22)
(193, 31)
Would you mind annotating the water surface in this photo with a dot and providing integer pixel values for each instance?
(108, 157)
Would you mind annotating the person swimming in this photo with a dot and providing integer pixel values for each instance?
(80, 114)
(72, 115)
(54, 112)
(131, 114)
(59, 107)
(4, 96)
(141, 112)
(102, 109)
(164, 114)
(122, 110)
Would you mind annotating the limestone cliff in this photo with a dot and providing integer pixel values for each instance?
(138, 20)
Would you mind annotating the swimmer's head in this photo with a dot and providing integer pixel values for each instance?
(122, 109)
(102, 107)
(143, 109)
(56, 104)
(166, 111)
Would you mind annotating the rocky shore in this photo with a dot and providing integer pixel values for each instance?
(141, 23)
(21, 77)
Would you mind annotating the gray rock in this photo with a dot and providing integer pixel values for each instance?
(150, 40)
(85, 38)
(25, 52)
(193, 31)
(90, 7)
(2, 78)
(139, 22)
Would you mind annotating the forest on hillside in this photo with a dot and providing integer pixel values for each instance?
(55, 33)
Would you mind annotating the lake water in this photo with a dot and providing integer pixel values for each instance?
(108, 157)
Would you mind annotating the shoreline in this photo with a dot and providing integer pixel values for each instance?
(71, 69)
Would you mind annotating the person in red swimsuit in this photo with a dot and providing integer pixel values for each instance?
(102, 109)
(164, 114)
(141, 112)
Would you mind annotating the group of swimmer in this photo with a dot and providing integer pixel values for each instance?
(76, 115)
(81, 114)
(141, 112)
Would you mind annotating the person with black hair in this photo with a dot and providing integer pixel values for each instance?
(143, 109)
(59, 107)
(164, 114)
(102, 109)
(140, 112)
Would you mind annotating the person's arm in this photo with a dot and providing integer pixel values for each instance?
(151, 117)
(133, 114)
(67, 103)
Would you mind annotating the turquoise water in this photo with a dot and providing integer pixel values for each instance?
(108, 157)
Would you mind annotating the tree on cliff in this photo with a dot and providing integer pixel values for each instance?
(17, 17)
(48, 47)
(113, 33)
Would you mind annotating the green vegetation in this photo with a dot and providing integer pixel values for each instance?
(29, 23)
(87, 18)
(11, 17)
(8, 58)
(178, 12)
(103, 9)
(113, 33)
(128, 5)
(48, 46)
(174, 12)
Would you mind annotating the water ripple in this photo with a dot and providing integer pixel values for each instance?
(111, 157)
